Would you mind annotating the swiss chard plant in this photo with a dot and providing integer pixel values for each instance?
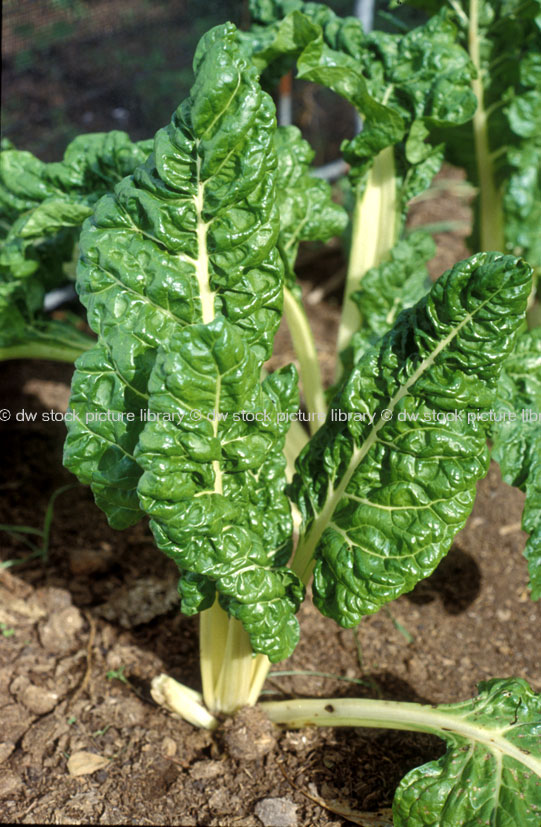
(185, 271)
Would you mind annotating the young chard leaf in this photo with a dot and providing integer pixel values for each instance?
(383, 494)
(517, 440)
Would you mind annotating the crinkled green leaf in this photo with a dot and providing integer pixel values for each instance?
(46, 204)
(398, 83)
(517, 440)
(491, 771)
(307, 211)
(190, 236)
(387, 290)
(382, 500)
(92, 164)
(214, 482)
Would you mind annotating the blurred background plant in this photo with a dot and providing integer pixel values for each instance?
(73, 66)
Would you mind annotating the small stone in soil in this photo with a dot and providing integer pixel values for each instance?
(85, 763)
(276, 812)
(39, 700)
(249, 736)
(58, 633)
(10, 784)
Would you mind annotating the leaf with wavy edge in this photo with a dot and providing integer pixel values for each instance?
(517, 444)
(188, 237)
(213, 483)
(382, 502)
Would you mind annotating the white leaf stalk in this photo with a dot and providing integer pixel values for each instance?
(491, 233)
(232, 675)
(375, 224)
(412, 717)
(305, 350)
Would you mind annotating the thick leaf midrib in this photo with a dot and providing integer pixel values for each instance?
(206, 295)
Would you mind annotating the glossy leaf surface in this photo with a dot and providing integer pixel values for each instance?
(214, 479)
(384, 491)
(188, 237)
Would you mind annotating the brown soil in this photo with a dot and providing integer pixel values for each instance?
(83, 633)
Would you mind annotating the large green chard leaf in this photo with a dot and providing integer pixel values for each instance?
(213, 482)
(383, 494)
(188, 237)
(517, 440)
(491, 772)
(387, 290)
(183, 283)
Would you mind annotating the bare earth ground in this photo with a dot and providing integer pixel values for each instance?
(82, 634)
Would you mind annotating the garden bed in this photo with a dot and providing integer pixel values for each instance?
(85, 631)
